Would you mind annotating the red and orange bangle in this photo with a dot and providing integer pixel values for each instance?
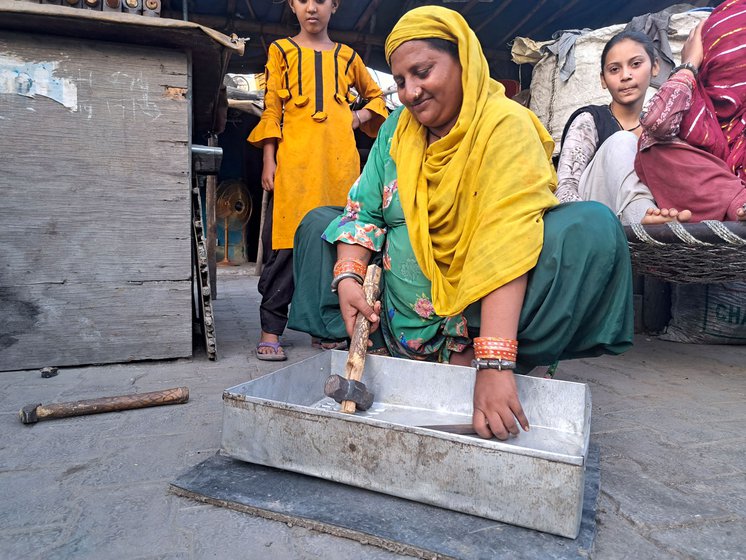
(348, 267)
(495, 348)
(348, 264)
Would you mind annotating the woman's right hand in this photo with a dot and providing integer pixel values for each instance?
(352, 301)
(268, 175)
(693, 51)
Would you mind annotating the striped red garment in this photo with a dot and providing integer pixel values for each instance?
(716, 121)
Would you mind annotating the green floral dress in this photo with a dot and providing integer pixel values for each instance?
(578, 299)
(373, 218)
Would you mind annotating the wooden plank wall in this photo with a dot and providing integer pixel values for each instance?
(95, 260)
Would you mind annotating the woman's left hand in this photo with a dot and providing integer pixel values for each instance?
(693, 50)
(496, 405)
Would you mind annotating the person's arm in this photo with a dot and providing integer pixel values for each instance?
(370, 118)
(360, 232)
(268, 132)
(351, 296)
(578, 148)
(662, 116)
(269, 164)
(496, 404)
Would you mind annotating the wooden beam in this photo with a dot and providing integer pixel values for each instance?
(252, 13)
(280, 30)
(245, 27)
(494, 14)
(510, 34)
(230, 14)
(367, 15)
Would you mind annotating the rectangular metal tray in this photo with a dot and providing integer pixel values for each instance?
(535, 480)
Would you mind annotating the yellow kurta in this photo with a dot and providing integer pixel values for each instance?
(307, 110)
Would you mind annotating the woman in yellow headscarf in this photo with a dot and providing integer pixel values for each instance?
(479, 261)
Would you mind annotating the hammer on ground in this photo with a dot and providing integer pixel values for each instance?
(349, 390)
(32, 413)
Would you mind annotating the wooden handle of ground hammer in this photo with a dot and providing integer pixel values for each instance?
(34, 413)
(359, 342)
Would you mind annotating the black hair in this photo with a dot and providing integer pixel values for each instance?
(443, 45)
(637, 37)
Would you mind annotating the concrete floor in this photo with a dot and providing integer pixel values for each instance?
(669, 419)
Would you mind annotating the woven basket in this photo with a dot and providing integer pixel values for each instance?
(698, 253)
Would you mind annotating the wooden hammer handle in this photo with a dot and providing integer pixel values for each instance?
(176, 395)
(359, 343)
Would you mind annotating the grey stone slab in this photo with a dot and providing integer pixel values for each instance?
(30, 543)
(122, 523)
(732, 452)
(34, 498)
(647, 502)
(619, 539)
(727, 491)
(255, 537)
(683, 423)
(710, 541)
(183, 555)
(43, 444)
(658, 459)
(389, 522)
(134, 460)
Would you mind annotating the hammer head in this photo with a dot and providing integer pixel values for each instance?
(28, 413)
(342, 389)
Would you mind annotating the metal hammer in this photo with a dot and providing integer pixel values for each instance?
(349, 390)
(342, 389)
(32, 413)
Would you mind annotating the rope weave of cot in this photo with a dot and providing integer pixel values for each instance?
(699, 253)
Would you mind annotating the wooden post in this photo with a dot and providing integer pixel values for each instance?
(656, 304)
(260, 247)
(212, 237)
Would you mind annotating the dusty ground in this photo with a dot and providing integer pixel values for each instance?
(669, 420)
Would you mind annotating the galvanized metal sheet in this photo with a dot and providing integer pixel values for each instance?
(534, 480)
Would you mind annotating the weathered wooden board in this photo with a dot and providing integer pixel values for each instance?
(53, 324)
(95, 217)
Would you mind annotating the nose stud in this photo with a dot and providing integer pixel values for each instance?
(417, 94)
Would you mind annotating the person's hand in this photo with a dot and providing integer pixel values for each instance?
(359, 117)
(352, 301)
(693, 51)
(268, 175)
(496, 405)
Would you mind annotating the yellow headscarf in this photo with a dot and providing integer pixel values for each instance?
(474, 200)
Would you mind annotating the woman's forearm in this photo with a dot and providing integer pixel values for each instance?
(269, 150)
(662, 116)
(349, 251)
(501, 309)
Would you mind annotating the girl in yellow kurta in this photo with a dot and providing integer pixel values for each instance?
(306, 133)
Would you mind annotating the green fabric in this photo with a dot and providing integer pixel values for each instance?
(578, 300)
